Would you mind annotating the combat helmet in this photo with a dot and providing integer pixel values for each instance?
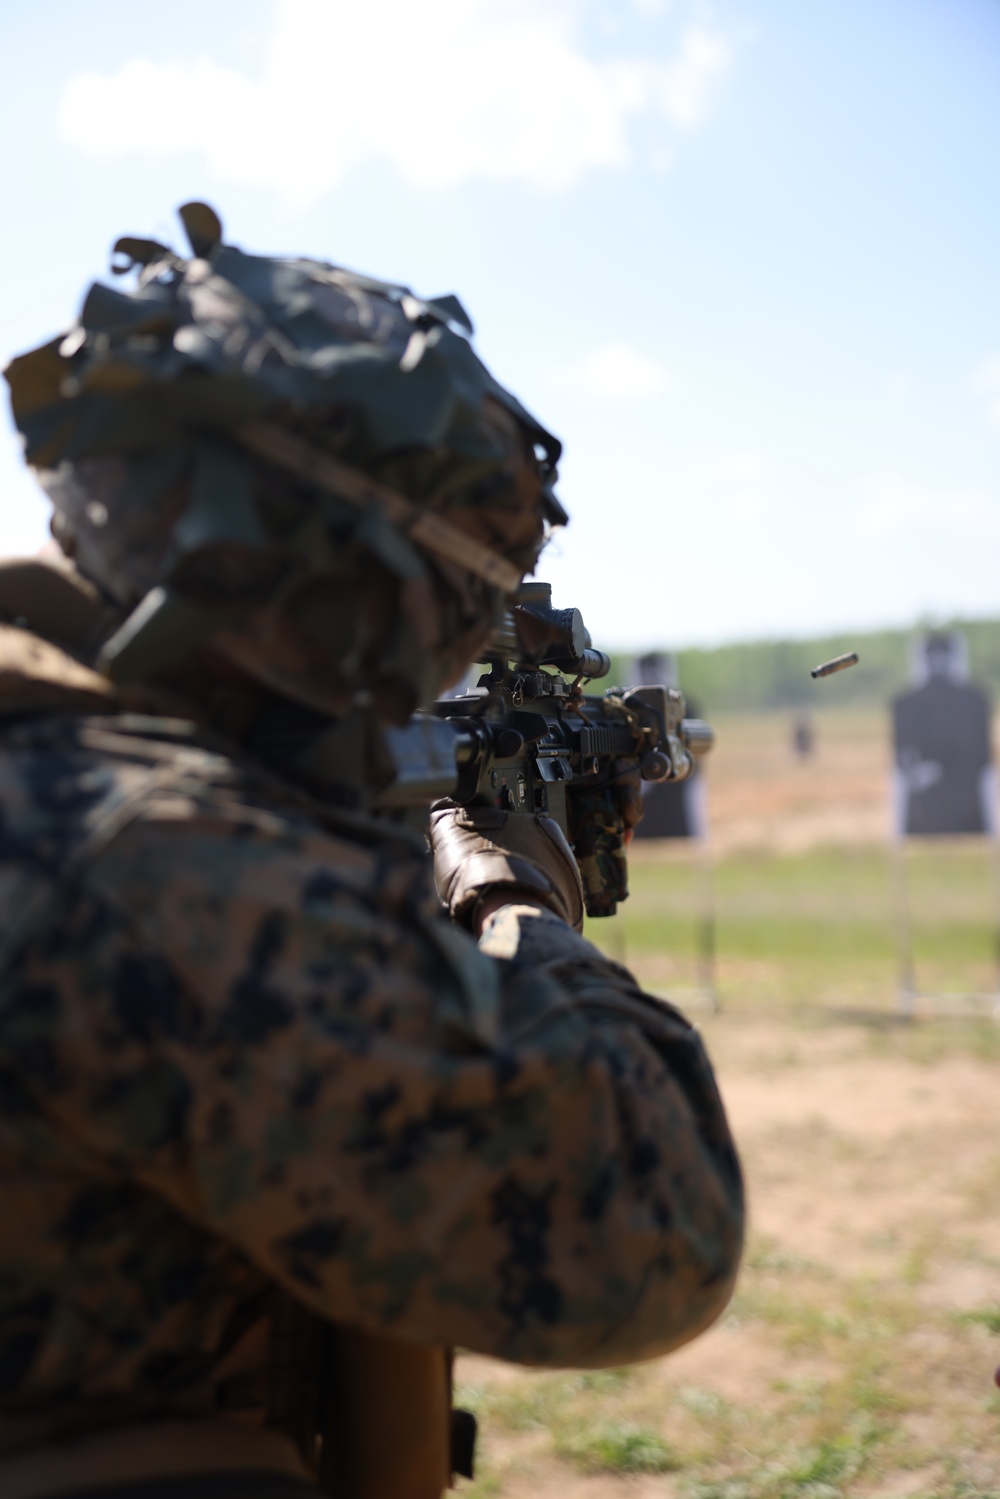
(306, 470)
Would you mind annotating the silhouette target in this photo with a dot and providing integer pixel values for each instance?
(941, 740)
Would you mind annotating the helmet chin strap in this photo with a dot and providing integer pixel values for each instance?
(425, 527)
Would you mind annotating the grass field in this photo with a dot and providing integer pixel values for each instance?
(804, 882)
(813, 927)
(857, 1357)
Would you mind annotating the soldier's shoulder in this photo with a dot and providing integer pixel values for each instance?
(69, 782)
(64, 765)
(145, 831)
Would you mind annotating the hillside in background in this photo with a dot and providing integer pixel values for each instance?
(766, 674)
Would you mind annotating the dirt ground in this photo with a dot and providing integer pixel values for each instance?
(761, 794)
(857, 1358)
(858, 1355)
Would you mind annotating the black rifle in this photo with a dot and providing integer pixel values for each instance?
(527, 734)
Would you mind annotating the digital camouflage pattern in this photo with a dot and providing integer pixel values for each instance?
(241, 1050)
(144, 423)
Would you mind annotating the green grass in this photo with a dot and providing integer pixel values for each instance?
(773, 674)
(618, 1447)
(543, 1400)
(816, 928)
(821, 1472)
(851, 1369)
(988, 1317)
(964, 1488)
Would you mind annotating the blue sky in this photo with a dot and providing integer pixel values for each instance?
(742, 257)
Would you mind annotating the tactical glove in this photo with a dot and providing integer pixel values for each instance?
(478, 849)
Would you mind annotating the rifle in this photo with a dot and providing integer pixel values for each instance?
(527, 738)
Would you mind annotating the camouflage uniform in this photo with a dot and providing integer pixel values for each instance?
(244, 1057)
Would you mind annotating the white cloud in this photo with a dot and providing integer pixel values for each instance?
(687, 85)
(615, 372)
(740, 468)
(454, 90)
(897, 507)
(732, 485)
(745, 507)
(986, 382)
(898, 387)
(660, 160)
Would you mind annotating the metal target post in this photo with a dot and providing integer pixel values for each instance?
(707, 941)
(912, 999)
(904, 930)
(677, 813)
(694, 832)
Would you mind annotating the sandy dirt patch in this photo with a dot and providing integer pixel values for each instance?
(863, 1337)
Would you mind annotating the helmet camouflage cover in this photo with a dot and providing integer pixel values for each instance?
(306, 467)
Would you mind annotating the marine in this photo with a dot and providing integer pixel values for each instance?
(291, 1108)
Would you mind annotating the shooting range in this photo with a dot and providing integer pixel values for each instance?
(740, 257)
(868, 1301)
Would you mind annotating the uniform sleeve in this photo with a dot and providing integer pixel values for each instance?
(506, 1148)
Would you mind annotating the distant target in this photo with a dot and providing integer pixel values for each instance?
(944, 780)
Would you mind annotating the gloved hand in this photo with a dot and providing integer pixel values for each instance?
(480, 849)
(601, 823)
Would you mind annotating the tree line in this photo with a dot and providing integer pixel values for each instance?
(765, 674)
